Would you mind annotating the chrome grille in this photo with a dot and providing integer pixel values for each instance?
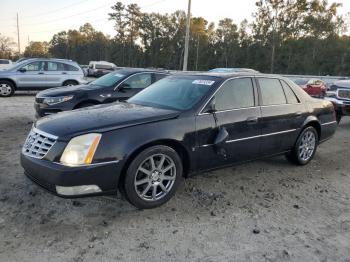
(38, 143)
(344, 93)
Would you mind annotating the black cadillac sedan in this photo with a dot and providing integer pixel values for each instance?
(116, 86)
(179, 126)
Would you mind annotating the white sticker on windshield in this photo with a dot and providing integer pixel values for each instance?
(119, 75)
(203, 82)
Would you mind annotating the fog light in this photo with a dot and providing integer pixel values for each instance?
(77, 190)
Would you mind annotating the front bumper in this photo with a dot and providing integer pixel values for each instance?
(341, 106)
(47, 174)
(44, 110)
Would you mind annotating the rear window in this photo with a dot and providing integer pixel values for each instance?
(271, 92)
(291, 97)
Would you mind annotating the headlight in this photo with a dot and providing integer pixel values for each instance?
(80, 150)
(56, 100)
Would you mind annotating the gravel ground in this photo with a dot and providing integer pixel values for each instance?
(267, 210)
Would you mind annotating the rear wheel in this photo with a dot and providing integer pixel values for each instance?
(338, 117)
(153, 177)
(7, 88)
(70, 83)
(305, 147)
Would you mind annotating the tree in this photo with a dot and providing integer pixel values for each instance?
(6, 47)
(37, 49)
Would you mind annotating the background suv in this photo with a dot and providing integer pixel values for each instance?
(38, 74)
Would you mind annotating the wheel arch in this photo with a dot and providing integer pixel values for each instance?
(315, 123)
(95, 102)
(70, 80)
(175, 145)
(9, 80)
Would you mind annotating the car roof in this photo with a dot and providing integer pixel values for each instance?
(131, 70)
(226, 75)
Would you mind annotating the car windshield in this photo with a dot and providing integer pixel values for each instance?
(108, 80)
(179, 93)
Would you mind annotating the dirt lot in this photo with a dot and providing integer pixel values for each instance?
(263, 211)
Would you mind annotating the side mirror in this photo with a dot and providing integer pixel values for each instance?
(22, 70)
(123, 85)
(210, 108)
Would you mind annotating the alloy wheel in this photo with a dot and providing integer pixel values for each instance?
(155, 177)
(307, 145)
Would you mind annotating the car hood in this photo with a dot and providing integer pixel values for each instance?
(62, 91)
(101, 118)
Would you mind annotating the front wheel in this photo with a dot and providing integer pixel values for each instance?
(305, 147)
(7, 89)
(153, 177)
(70, 83)
(338, 117)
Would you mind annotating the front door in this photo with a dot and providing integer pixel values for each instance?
(33, 76)
(237, 112)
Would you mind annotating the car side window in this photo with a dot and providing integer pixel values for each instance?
(70, 68)
(271, 92)
(139, 81)
(53, 66)
(35, 66)
(157, 77)
(234, 94)
(291, 97)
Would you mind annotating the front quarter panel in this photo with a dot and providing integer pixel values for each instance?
(122, 143)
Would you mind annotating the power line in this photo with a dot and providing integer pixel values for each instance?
(61, 18)
(56, 10)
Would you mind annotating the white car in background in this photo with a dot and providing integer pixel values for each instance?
(100, 68)
(5, 63)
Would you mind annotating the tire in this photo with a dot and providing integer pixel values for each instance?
(7, 88)
(148, 185)
(338, 117)
(70, 83)
(305, 147)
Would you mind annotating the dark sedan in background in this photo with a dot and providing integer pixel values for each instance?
(116, 86)
(179, 126)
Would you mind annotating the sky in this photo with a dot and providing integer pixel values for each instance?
(39, 20)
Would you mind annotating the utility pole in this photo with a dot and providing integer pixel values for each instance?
(187, 39)
(18, 41)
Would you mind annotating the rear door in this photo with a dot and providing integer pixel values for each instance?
(55, 74)
(237, 112)
(33, 77)
(282, 115)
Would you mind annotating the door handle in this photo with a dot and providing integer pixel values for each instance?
(298, 113)
(252, 120)
(64, 73)
(40, 73)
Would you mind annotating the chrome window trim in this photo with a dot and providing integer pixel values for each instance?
(253, 137)
(132, 76)
(232, 78)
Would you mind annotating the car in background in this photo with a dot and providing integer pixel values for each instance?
(100, 68)
(182, 125)
(233, 70)
(314, 87)
(5, 63)
(339, 95)
(39, 74)
(116, 86)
